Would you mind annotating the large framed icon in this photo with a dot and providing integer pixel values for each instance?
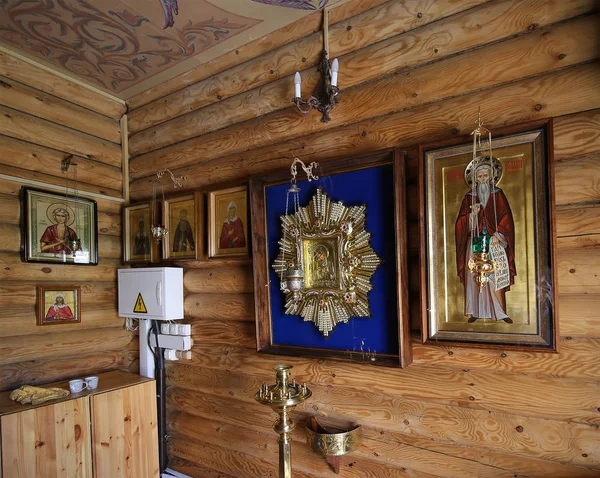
(58, 228)
(350, 238)
(487, 240)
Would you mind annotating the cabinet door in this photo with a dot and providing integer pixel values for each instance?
(51, 441)
(125, 432)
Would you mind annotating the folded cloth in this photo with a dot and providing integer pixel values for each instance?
(37, 395)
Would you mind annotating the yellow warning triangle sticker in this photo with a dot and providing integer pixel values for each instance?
(140, 307)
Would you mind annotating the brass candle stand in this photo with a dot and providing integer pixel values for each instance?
(283, 397)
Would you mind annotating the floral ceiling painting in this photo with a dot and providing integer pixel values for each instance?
(128, 46)
(300, 4)
(115, 44)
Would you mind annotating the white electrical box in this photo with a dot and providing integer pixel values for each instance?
(154, 293)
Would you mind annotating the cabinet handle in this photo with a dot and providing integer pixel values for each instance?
(159, 293)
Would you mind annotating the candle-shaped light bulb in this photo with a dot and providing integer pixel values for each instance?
(335, 66)
(297, 80)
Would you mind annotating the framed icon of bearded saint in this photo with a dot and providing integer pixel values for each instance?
(487, 240)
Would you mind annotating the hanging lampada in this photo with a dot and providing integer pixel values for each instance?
(71, 203)
(292, 260)
(159, 232)
(486, 169)
(327, 90)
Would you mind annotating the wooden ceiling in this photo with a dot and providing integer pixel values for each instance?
(127, 46)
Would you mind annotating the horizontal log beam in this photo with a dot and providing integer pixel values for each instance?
(571, 362)
(109, 246)
(54, 345)
(53, 369)
(219, 306)
(555, 94)
(37, 103)
(219, 280)
(261, 445)
(577, 220)
(13, 269)
(577, 271)
(378, 451)
(290, 33)
(577, 135)
(375, 25)
(577, 181)
(11, 189)
(10, 213)
(222, 460)
(578, 315)
(47, 81)
(383, 413)
(219, 331)
(488, 392)
(22, 321)
(21, 293)
(484, 432)
(579, 242)
(45, 161)
(499, 63)
(194, 469)
(44, 133)
(38, 177)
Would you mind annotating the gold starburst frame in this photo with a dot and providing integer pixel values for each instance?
(330, 241)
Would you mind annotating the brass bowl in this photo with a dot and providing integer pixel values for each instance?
(334, 444)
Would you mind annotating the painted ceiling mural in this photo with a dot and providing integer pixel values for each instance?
(116, 43)
(301, 4)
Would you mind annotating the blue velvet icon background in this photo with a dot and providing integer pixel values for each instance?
(374, 187)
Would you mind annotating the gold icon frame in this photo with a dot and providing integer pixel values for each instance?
(264, 332)
(337, 259)
(525, 151)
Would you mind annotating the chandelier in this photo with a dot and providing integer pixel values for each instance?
(325, 97)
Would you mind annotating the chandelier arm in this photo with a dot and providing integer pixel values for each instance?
(299, 102)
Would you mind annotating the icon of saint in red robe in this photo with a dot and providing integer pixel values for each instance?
(485, 213)
(60, 310)
(232, 232)
(55, 237)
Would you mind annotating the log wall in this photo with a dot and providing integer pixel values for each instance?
(43, 119)
(410, 72)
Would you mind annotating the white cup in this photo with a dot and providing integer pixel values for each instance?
(91, 382)
(77, 385)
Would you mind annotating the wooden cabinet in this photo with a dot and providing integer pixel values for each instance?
(110, 432)
(125, 433)
(48, 441)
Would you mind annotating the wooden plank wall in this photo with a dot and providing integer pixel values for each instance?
(410, 72)
(43, 119)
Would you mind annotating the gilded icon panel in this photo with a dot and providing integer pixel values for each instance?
(184, 218)
(228, 222)
(487, 247)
